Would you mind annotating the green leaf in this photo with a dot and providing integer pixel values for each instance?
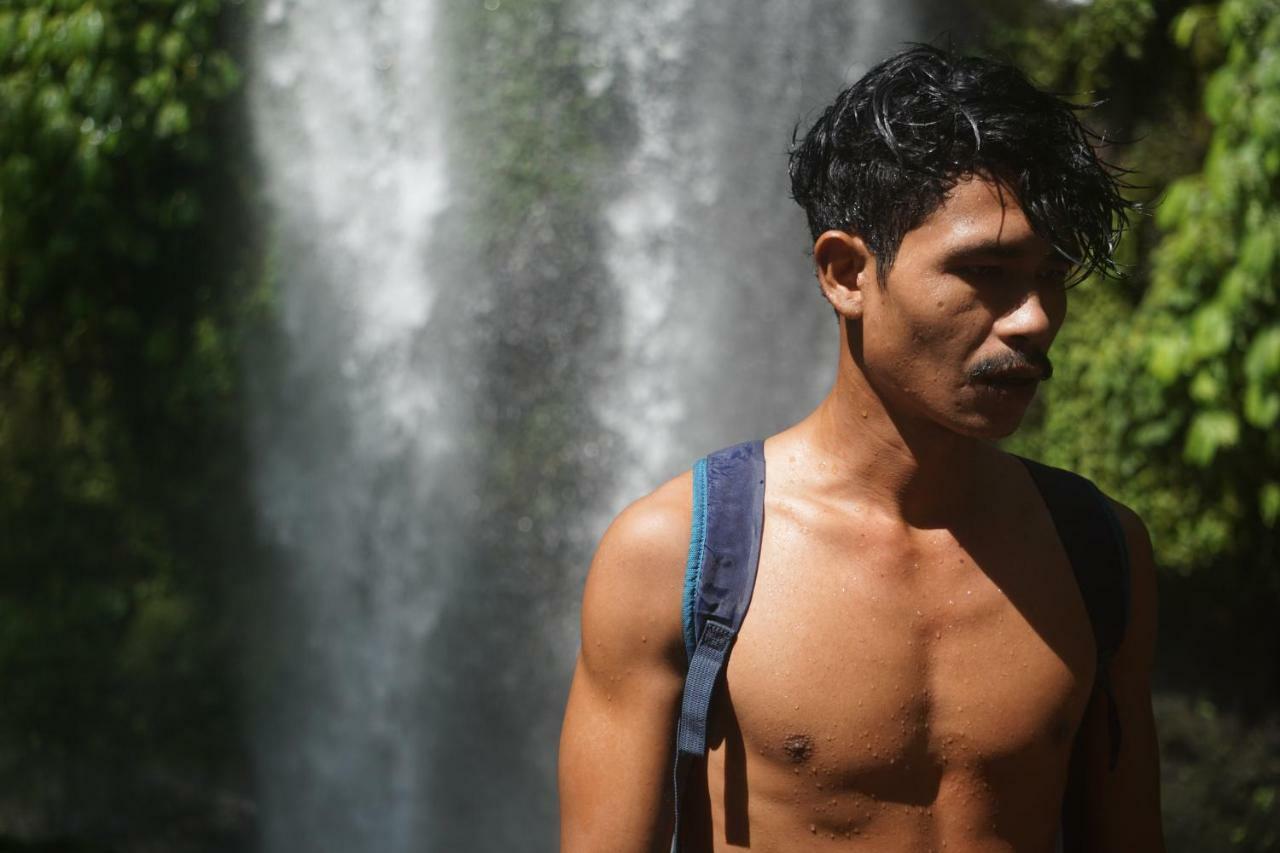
(1269, 502)
(1262, 360)
(1211, 331)
(1221, 96)
(1167, 357)
(1210, 432)
(1178, 202)
(172, 120)
(1205, 387)
(1261, 405)
(86, 28)
(1258, 252)
(172, 47)
(148, 34)
(1156, 433)
(1183, 29)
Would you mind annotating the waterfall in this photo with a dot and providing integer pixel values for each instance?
(352, 437)
(725, 336)
(476, 365)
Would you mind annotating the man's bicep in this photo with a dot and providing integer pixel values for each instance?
(615, 760)
(619, 729)
(1124, 802)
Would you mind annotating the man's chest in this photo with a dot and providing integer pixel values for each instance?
(873, 661)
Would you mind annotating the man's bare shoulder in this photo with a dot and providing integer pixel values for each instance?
(632, 603)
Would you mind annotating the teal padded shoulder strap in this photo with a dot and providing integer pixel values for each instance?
(724, 551)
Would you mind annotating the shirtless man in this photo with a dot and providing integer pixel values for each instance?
(917, 658)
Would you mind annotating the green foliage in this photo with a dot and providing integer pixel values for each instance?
(120, 290)
(1180, 364)
(1168, 391)
(1216, 276)
(1080, 48)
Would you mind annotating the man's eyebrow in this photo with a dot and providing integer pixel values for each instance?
(1002, 249)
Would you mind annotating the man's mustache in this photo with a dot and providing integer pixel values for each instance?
(1014, 362)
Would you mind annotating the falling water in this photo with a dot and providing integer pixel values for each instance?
(449, 415)
(726, 337)
(353, 434)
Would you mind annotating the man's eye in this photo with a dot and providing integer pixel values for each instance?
(980, 271)
(1056, 275)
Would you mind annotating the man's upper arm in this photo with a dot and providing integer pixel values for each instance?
(1124, 803)
(619, 728)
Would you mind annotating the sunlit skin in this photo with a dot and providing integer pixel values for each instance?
(917, 657)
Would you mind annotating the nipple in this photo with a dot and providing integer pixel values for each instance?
(798, 748)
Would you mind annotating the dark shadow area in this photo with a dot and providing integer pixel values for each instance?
(725, 731)
(1219, 640)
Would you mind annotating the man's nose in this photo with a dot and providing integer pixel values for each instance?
(1032, 318)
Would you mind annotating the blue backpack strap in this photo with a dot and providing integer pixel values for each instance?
(724, 551)
(1095, 544)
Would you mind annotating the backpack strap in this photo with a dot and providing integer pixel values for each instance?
(724, 550)
(1095, 544)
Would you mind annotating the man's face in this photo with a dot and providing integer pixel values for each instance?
(959, 333)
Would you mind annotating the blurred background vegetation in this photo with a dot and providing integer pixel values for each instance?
(133, 275)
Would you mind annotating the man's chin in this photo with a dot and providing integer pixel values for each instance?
(990, 428)
(996, 413)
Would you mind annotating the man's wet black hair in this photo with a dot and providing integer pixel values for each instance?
(884, 156)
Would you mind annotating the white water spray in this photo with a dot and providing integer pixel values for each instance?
(725, 336)
(346, 120)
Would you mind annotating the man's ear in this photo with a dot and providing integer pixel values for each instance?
(846, 268)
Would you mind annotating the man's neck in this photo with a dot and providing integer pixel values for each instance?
(910, 468)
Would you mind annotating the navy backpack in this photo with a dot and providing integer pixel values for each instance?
(724, 550)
